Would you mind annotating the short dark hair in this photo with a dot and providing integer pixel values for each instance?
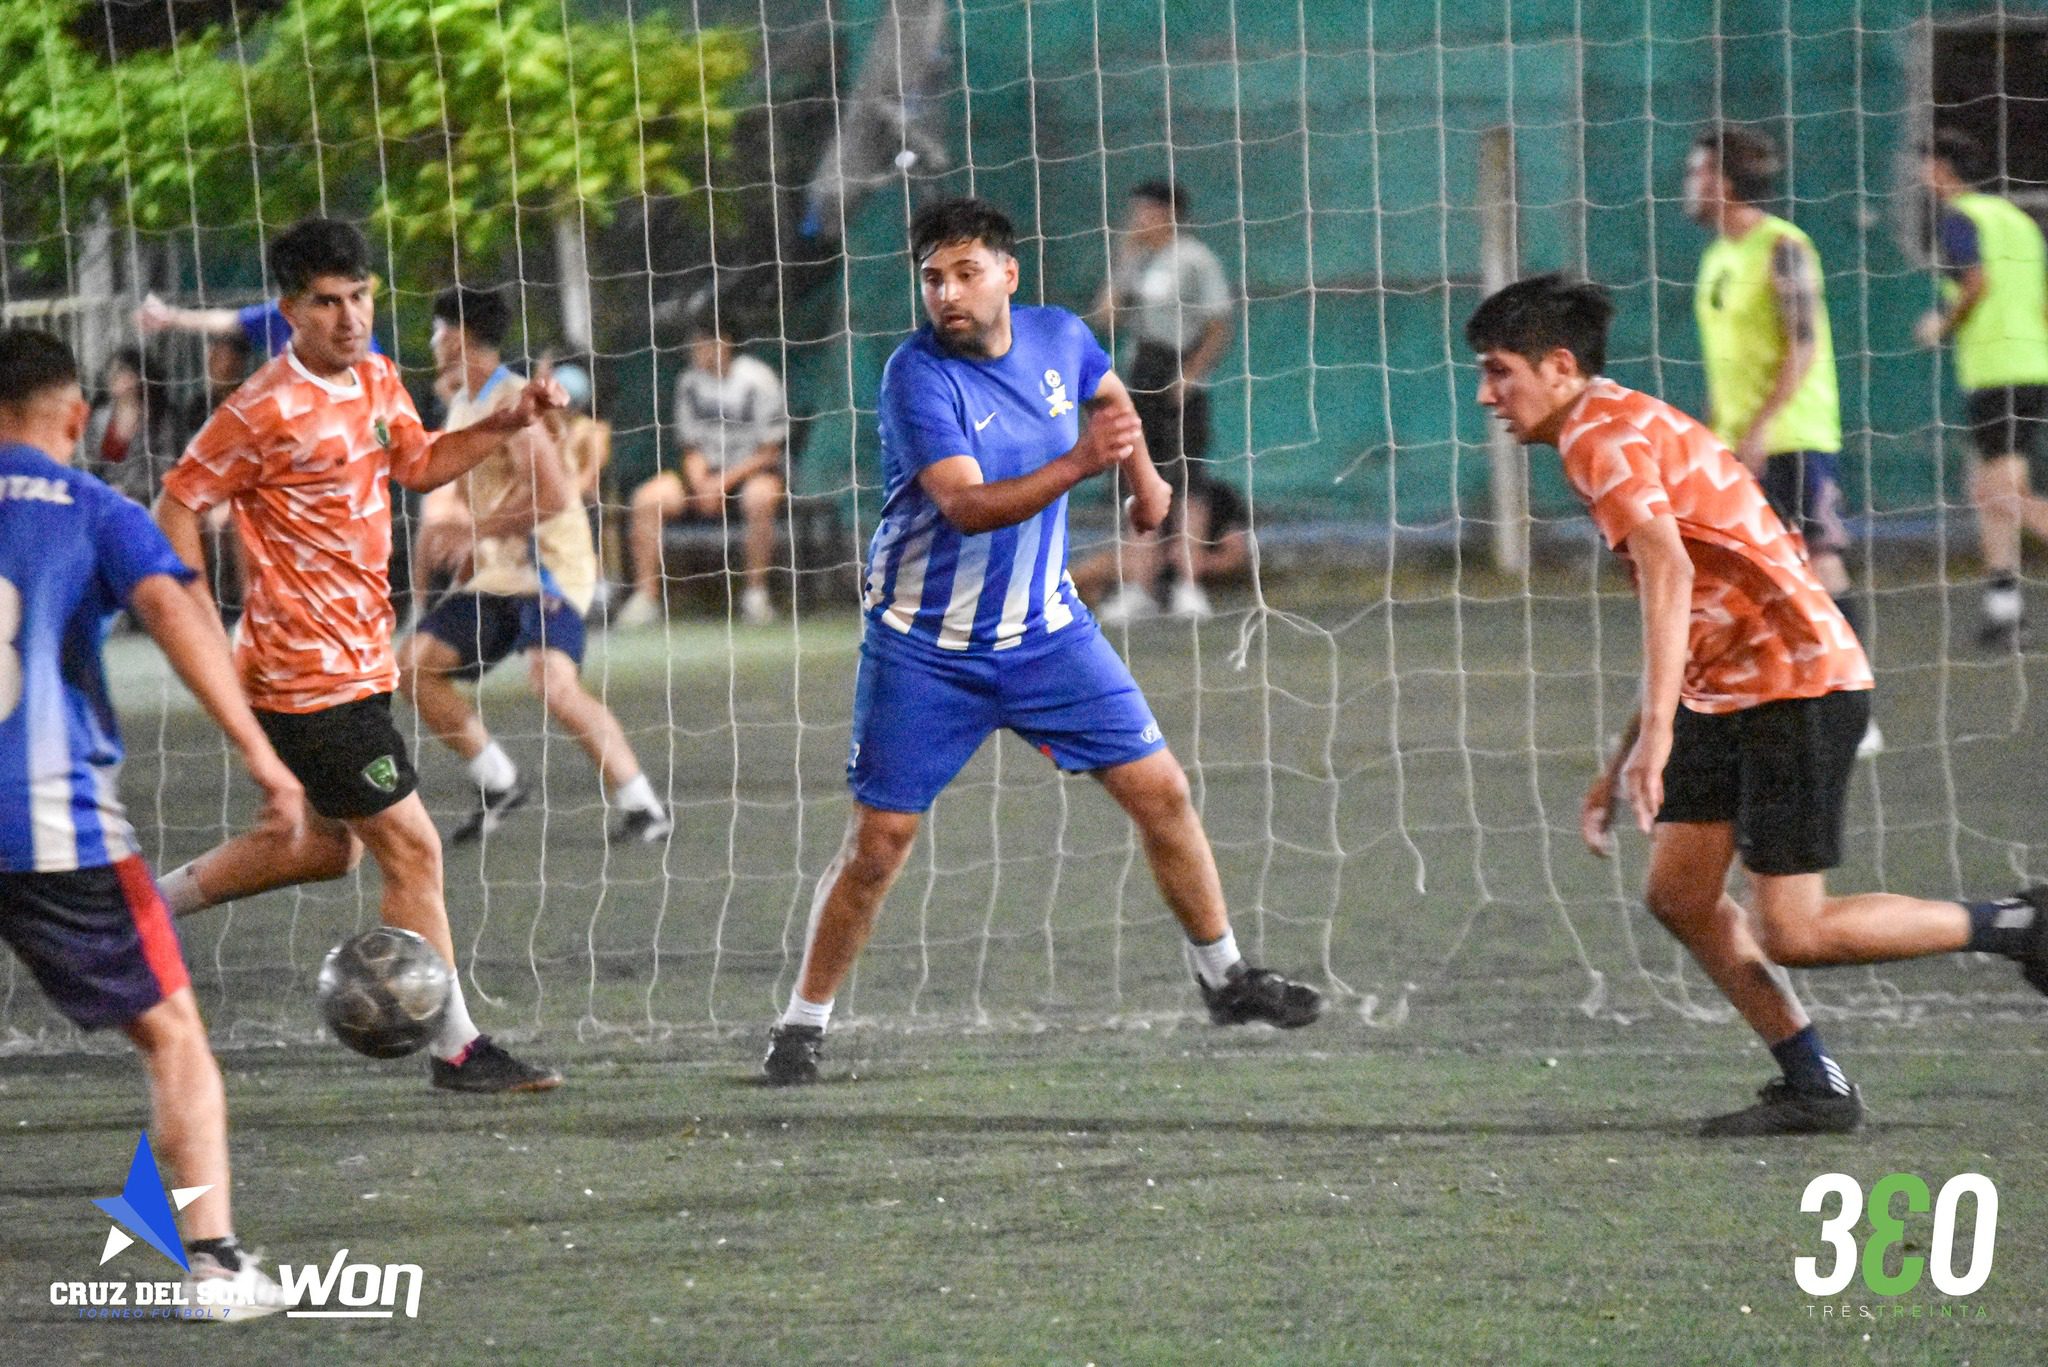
(31, 363)
(966, 219)
(317, 246)
(482, 313)
(1748, 158)
(1167, 194)
(1536, 316)
(1963, 153)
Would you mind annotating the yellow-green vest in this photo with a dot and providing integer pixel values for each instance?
(1744, 343)
(2004, 341)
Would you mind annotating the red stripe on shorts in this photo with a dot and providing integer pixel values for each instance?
(152, 924)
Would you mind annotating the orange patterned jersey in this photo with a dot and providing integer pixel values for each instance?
(1763, 628)
(305, 464)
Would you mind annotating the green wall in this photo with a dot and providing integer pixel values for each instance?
(1332, 155)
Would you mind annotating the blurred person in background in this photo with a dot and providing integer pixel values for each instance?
(1168, 291)
(1762, 310)
(732, 427)
(1995, 313)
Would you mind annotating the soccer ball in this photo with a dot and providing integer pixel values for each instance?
(384, 992)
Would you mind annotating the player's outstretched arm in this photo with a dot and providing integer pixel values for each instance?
(454, 454)
(155, 316)
(1664, 579)
(191, 639)
(973, 506)
(1151, 496)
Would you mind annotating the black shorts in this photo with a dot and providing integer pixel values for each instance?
(1176, 420)
(98, 940)
(350, 758)
(1806, 494)
(1779, 771)
(483, 628)
(2010, 422)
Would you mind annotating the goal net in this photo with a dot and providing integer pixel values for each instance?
(1391, 717)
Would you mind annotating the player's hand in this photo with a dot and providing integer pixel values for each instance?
(154, 315)
(1110, 437)
(1642, 774)
(284, 802)
(1931, 328)
(1596, 814)
(541, 397)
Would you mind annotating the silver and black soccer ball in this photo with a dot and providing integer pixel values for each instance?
(384, 992)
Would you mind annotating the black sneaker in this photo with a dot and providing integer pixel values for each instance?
(1781, 1110)
(792, 1055)
(2000, 637)
(1260, 994)
(639, 827)
(486, 1067)
(2033, 960)
(490, 815)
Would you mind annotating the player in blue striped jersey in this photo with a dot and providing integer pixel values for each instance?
(989, 415)
(77, 903)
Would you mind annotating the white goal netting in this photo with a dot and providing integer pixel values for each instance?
(1391, 717)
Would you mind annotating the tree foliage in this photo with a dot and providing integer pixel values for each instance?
(448, 124)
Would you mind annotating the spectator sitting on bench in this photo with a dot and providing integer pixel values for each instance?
(730, 426)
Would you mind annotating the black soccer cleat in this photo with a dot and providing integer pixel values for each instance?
(2001, 638)
(1781, 1110)
(490, 813)
(486, 1067)
(1260, 994)
(639, 827)
(792, 1055)
(2033, 959)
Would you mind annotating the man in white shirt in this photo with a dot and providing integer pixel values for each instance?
(1168, 292)
(730, 424)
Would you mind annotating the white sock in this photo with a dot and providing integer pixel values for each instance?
(802, 1012)
(2002, 605)
(180, 888)
(1214, 960)
(636, 794)
(493, 769)
(457, 1030)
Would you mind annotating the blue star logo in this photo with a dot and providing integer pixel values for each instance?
(143, 1209)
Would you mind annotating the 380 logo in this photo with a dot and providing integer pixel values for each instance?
(1889, 1230)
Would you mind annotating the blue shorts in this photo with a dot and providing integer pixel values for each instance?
(919, 716)
(98, 940)
(1806, 493)
(483, 628)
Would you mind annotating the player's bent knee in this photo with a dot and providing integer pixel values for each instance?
(881, 842)
(1793, 943)
(171, 1028)
(323, 854)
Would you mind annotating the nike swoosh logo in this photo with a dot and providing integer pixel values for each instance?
(984, 422)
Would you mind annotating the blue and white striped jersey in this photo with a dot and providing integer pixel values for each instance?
(71, 551)
(995, 591)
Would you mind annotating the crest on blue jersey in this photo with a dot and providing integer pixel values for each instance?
(1055, 391)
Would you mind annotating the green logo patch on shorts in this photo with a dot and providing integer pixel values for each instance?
(381, 773)
(381, 432)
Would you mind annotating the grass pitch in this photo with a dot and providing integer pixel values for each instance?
(1032, 1149)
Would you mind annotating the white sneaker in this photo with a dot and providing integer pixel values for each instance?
(1127, 604)
(246, 1294)
(639, 611)
(755, 609)
(1190, 600)
(1872, 742)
